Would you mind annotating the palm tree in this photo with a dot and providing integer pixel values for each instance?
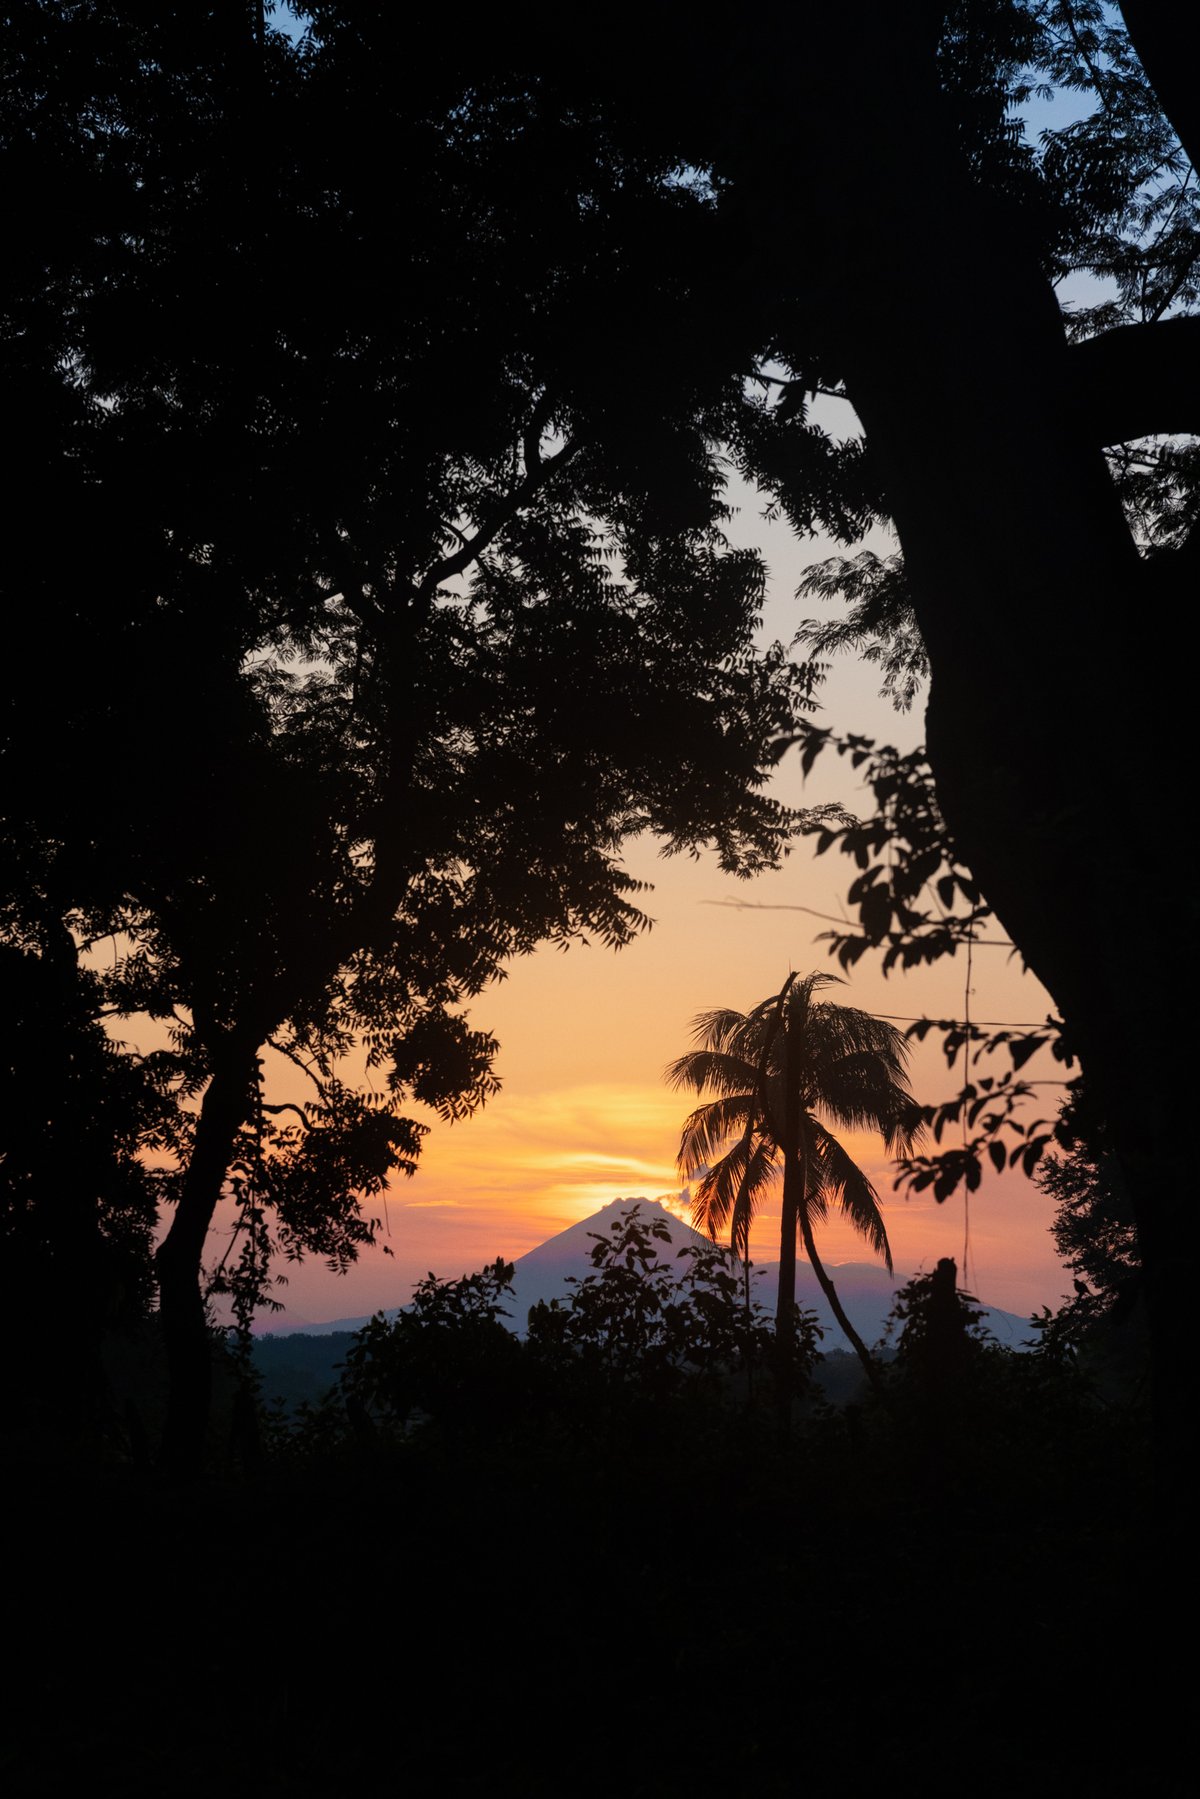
(784, 1074)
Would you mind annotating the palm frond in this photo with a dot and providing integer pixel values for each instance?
(731, 1189)
(713, 1069)
(734, 1184)
(860, 1093)
(834, 1032)
(720, 1029)
(842, 1180)
(707, 1131)
(762, 1169)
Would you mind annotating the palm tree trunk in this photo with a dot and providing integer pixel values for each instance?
(793, 1206)
(870, 1366)
(785, 1301)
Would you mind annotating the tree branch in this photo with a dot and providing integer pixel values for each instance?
(297, 1061)
(502, 514)
(288, 1107)
(1138, 380)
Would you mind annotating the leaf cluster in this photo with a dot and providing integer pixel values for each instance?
(448, 1353)
(643, 1324)
(640, 1331)
(985, 1106)
(917, 903)
(1095, 1233)
(880, 625)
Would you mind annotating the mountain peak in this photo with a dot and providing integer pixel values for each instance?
(625, 1205)
(568, 1244)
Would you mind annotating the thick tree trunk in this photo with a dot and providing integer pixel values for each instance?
(1058, 709)
(181, 1302)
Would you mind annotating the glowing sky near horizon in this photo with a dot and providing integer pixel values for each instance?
(584, 1115)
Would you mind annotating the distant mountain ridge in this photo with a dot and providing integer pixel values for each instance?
(866, 1290)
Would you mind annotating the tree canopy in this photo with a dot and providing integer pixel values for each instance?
(378, 425)
(385, 614)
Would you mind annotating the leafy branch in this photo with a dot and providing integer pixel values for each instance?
(917, 902)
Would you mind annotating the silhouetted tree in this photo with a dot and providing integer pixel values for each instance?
(780, 1071)
(940, 1329)
(375, 572)
(654, 1328)
(939, 1377)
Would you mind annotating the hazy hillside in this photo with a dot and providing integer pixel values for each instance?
(865, 1289)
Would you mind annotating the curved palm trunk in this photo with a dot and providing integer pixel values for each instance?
(870, 1366)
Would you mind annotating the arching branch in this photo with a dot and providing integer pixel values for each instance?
(1138, 380)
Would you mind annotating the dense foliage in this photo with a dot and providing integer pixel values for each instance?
(374, 584)
(639, 1334)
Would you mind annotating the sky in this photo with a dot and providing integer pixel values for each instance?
(584, 1115)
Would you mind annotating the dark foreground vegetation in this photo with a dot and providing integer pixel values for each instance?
(599, 1560)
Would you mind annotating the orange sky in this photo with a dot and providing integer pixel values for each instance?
(584, 1115)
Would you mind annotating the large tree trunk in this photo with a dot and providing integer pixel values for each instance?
(181, 1301)
(1050, 641)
